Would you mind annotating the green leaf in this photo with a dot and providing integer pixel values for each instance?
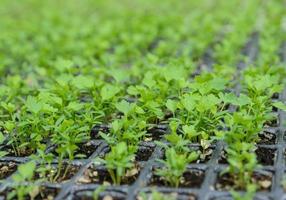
(33, 105)
(149, 80)
(3, 153)
(173, 73)
(171, 105)
(50, 98)
(118, 74)
(109, 91)
(75, 106)
(243, 100)
(132, 90)
(279, 105)
(192, 156)
(218, 83)
(62, 64)
(124, 107)
(26, 170)
(190, 131)
(2, 138)
(47, 108)
(83, 82)
(188, 102)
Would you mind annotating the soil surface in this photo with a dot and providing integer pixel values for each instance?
(265, 156)
(191, 178)
(144, 153)
(267, 138)
(101, 176)
(40, 193)
(22, 152)
(226, 182)
(7, 169)
(71, 171)
(86, 149)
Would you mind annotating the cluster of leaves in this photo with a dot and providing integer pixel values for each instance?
(59, 80)
(118, 160)
(259, 86)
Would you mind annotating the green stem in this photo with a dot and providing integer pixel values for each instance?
(66, 170)
(59, 169)
(112, 175)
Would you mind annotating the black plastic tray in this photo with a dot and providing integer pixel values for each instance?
(271, 155)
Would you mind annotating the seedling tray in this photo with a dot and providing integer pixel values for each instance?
(202, 180)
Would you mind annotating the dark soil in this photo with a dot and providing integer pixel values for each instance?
(144, 153)
(265, 156)
(87, 149)
(156, 132)
(101, 176)
(267, 138)
(274, 109)
(223, 158)
(226, 182)
(275, 96)
(272, 123)
(192, 178)
(94, 134)
(71, 171)
(47, 193)
(7, 169)
(22, 152)
(44, 193)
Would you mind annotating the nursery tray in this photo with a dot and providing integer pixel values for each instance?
(202, 178)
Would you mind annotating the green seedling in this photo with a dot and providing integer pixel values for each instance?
(155, 195)
(97, 191)
(242, 163)
(117, 161)
(174, 166)
(20, 188)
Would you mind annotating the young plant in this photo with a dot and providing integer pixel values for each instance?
(20, 188)
(242, 163)
(174, 166)
(248, 195)
(175, 140)
(118, 160)
(155, 195)
(67, 136)
(97, 191)
(45, 168)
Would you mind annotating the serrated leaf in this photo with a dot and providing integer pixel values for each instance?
(123, 106)
(63, 64)
(33, 105)
(171, 105)
(75, 106)
(83, 82)
(108, 91)
(132, 90)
